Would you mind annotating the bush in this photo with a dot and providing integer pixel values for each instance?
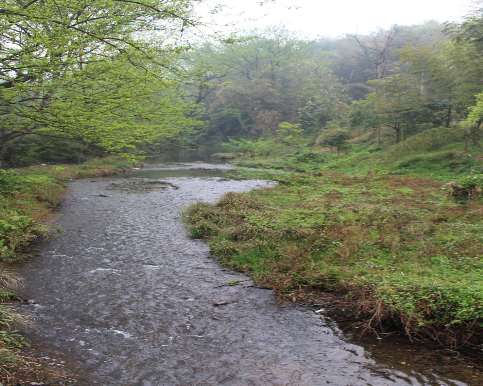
(15, 232)
(467, 187)
(9, 182)
(310, 156)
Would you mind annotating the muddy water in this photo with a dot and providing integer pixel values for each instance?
(127, 298)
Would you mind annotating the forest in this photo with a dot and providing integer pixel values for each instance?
(75, 89)
(375, 140)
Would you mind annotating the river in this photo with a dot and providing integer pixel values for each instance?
(125, 297)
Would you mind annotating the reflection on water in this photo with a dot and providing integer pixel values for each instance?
(130, 299)
(185, 155)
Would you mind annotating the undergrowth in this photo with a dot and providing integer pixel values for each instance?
(400, 247)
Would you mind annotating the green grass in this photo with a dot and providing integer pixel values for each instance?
(378, 226)
(435, 153)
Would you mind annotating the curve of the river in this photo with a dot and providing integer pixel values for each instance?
(128, 298)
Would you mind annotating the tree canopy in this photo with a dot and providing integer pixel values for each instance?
(122, 74)
(99, 70)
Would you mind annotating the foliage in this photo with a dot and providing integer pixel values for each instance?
(337, 138)
(260, 147)
(15, 231)
(352, 67)
(308, 156)
(474, 120)
(290, 134)
(467, 187)
(310, 118)
(48, 147)
(327, 98)
(429, 140)
(262, 84)
(471, 29)
(86, 70)
(12, 340)
(398, 104)
(9, 182)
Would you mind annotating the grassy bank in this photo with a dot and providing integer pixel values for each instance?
(391, 240)
(27, 198)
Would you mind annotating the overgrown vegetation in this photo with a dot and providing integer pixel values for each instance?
(397, 231)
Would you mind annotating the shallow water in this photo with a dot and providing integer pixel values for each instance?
(126, 297)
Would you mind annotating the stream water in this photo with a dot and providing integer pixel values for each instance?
(126, 297)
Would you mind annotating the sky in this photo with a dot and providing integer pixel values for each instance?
(334, 18)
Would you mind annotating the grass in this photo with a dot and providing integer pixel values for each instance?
(384, 233)
(27, 198)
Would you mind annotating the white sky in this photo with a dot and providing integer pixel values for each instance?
(335, 17)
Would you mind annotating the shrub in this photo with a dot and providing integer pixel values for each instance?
(467, 187)
(9, 182)
(310, 157)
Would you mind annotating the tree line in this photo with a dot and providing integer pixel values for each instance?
(88, 77)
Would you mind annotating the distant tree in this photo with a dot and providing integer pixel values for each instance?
(309, 117)
(291, 134)
(397, 104)
(263, 85)
(376, 49)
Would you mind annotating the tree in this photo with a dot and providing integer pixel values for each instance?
(336, 138)
(398, 104)
(291, 134)
(449, 72)
(376, 49)
(206, 70)
(327, 98)
(471, 29)
(262, 85)
(84, 68)
(475, 118)
(436, 72)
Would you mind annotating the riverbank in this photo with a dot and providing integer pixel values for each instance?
(28, 197)
(126, 295)
(399, 248)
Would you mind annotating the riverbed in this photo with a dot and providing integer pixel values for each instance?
(125, 297)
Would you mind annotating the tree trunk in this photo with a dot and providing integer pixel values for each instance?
(242, 124)
(397, 128)
(218, 132)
